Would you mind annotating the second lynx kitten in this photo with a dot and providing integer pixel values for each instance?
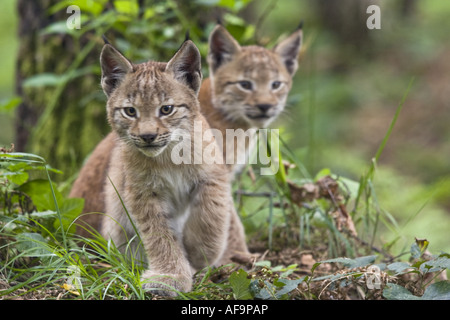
(182, 212)
(248, 85)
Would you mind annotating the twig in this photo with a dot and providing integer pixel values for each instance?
(255, 194)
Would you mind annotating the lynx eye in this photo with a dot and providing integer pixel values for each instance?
(130, 111)
(166, 110)
(276, 85)
(246, 85)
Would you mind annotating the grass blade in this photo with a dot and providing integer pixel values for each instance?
(369, 175)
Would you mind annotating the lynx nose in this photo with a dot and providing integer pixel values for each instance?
(148, 138)
(264, 107)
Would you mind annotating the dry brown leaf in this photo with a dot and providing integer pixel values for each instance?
(5, 150)
(326, 188)
(307, 260)
(305, 193)
(344, 220)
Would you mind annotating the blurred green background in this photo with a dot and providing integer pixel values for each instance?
(8, 51)
(345, 95)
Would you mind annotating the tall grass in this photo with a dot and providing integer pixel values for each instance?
(34, 257)
(366, 191)
(274, 209)
(93, 269)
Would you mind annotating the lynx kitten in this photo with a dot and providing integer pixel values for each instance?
(182, 212)
(247, 87)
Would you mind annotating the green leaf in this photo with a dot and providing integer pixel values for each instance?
(42, 79)
(268, 291)
(240, 285)
(21, 156)
(52, 79)
(396, 292)
(19, 166)
(207, 2)
(415, 251)
(128, 7)
(322, 173)
(278, 290)
(58, 27)
(399, 267)
(362, 261)
(70, 210)
(264, 263)
(9, 105)
(41, 194)
(353, 263)
(315, 265)
(289, 270)
(235, 5)
(335, 277)
(17, 178)
(32, 245)
(437, 291)
(94, 7)
(350, 185)
(419, 247)
(288, 285)
(435, 264)
(42, 197)
(72, 207)
(149, 13)
(43, 214)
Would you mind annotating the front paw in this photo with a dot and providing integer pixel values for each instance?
(246, 259)
(165, 284)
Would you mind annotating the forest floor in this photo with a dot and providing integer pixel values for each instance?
(330, 281)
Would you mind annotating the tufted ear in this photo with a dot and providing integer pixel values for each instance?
(289, 49)
(185, 66)
(114, 67)
(222, 47)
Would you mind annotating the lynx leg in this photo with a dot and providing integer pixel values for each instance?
(206, 229)
(168, 267)
(236, 242)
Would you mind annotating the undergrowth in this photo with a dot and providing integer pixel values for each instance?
(301, 229)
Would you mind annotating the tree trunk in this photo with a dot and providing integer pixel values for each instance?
(32, 18)
(346, 19)
(76, 120)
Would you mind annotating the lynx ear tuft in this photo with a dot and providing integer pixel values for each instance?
(105, 40)
(114, 68)
(185, 66)
(289, 49)
(222, 47)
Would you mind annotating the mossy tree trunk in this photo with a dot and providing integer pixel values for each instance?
(64, 121)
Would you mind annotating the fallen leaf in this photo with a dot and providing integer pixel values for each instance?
(307, 260)
(70, 288)
(305, 193)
